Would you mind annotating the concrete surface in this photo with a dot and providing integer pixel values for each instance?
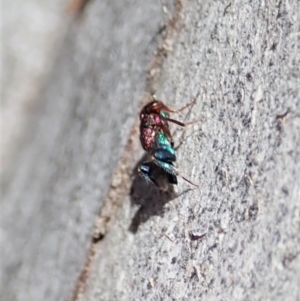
(54, 187)
(31, 33)
(237, 237)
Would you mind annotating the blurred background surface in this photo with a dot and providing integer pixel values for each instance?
(32, 31)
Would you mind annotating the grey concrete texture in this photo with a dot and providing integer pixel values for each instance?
(237, 236)
(53, 189)
(31, 31)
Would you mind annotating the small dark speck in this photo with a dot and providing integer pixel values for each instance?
(173, 260)
(239, 97)
(164, 229)
(215, 143)
(281, 15)
(249, 77)
(285, 190)
(274, 46)
(211, 282)
(253, 211)
(226, 9)
(282, 116)
(198, 64)
(289, 258)
(197, 234)
(215, 245)
(247, 121)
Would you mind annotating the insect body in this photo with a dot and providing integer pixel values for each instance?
(157, 140)
(153, 119)
(162, 155)
(155, 115)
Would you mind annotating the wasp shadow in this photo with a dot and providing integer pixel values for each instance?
(149, 197)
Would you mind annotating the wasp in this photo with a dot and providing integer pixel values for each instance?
(157, 140)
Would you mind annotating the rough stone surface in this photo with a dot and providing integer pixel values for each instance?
(237, 237)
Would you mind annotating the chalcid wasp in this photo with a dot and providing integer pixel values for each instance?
(157, 141)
